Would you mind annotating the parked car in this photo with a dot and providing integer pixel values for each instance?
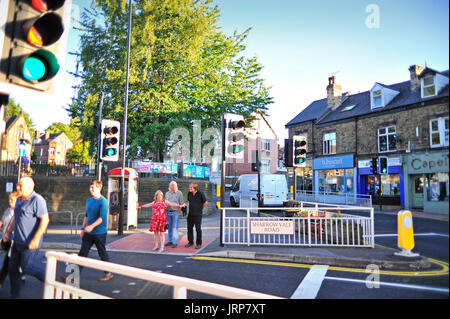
(274, 189)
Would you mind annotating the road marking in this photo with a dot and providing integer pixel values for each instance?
(419, 234)
(310, 285)
(390, 284)
(444, 271)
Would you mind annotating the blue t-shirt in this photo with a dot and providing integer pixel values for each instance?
(96, 208)
(27, 214)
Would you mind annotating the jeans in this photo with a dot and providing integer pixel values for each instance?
(197, 222)
(24, 258)
(172, 221)
(99, 241)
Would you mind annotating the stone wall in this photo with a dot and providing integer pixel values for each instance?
(70, 194)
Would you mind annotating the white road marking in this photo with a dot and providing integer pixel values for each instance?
(310, 285)
(390, 284)
(419, 234)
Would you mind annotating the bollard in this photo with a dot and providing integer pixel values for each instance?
(405, 240)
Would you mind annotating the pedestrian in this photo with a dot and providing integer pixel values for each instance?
(29, 225)
(159, 218)
(173, 213)
(197, 201)
(7, 218)
(94, 229)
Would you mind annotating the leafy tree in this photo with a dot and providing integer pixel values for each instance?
(15, 109)
(182, 68)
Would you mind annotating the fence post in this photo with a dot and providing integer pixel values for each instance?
(179, 292)
(372, 227)
(50, 277)
(248, 226)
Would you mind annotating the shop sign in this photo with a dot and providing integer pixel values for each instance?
(334, 162)
(430, 163)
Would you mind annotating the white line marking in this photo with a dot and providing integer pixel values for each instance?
(310, 285)
(390, 284)
(420, 234)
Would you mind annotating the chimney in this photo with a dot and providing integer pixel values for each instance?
(415, 70)
(334, 93)
(46, 135)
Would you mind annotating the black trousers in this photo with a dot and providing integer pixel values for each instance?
(99, 241)
(197, 222)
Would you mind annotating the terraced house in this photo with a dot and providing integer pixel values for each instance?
(404, 125)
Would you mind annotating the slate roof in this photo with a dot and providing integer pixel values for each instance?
(319, 111)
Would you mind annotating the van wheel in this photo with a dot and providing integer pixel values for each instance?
(233, 202)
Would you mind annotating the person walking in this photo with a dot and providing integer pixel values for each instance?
(197, 201)
(94, 229)
(173, 213)
(7, 218)
(30, 223)
(159, 218)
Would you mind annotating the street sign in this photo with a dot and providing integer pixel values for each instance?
(22, 149)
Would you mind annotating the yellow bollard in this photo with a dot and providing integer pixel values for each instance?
(218, 190)
(405, 239)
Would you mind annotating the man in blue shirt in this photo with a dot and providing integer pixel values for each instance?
(94, 229)
(30, 222)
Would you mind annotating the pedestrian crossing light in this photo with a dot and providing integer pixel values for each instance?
(374, 166)
(234, 135)
(110, 137)
(299, 151)
(33, 49)
(383, 165)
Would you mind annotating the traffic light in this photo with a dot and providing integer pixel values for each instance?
(234, 136)
(299, 151)
(288, 157)
(383, 165)
(110, 137)
(34, 42)
(374, 166)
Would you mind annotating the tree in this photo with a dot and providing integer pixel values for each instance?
(15, 109)
(182, 69)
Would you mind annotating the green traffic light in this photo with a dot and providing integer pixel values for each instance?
(33, 69)
(111, 152)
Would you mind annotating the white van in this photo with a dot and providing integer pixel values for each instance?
(274, 189)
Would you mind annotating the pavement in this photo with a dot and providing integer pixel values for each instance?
(140, 240)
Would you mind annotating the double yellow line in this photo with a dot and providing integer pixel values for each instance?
(444, 271)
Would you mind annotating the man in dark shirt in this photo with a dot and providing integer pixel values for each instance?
(197, 201)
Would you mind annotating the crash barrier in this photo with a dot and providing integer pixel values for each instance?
(363, 200)
(57, 290)
(311, 224)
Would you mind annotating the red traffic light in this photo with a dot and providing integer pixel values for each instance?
(44, 5)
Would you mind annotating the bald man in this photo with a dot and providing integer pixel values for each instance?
(30, 222)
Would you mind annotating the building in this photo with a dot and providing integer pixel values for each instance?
(51, 148)
(16, 130)
(404, 125)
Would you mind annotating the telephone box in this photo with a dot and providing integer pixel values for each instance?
(130, 196)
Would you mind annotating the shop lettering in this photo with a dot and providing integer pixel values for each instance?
(418, 163)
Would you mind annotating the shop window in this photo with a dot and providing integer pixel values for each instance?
(439, 132)
(390, 185)
(387, 139)
(437, 187)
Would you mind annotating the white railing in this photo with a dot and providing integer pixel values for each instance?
(364, 200)
(58, 290)
(322, 225)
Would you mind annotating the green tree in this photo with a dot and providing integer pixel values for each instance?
(182, 68)
(15, 109)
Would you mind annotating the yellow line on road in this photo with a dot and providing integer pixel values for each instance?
(441, 272)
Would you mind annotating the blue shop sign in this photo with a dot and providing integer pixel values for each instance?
(334, 162)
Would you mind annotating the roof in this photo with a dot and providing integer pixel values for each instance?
(354, 105)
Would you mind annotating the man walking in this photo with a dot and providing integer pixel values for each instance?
(197, 201)
(94, 229)
(30, 223)
(173, 213)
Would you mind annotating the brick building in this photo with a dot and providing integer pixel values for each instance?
(406, 123)
(51, 148)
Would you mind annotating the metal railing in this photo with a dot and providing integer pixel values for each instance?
(58, 290)
(364, 200)
(311, 224)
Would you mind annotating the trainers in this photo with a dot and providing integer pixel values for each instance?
(198, 246)
(188, 245)
(169, 243)
(107, 277)
(174, 246)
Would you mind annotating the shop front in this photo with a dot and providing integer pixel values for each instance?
(427, 181)
(335, 176)
(385, 189)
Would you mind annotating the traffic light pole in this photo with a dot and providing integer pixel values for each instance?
(125, 117)
(222, 180)
(99, 148)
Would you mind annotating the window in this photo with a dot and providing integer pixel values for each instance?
(439, 132)
(376, 96)
(387, 139)
(437, 187)
(265, 145)
(329, 143)
(428, 86)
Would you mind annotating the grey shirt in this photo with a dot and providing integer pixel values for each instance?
(174, 197)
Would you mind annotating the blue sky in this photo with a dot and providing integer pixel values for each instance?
(301, 43)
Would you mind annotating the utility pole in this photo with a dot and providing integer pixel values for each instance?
(99, 160)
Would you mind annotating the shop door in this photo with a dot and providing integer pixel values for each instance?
(417, 191)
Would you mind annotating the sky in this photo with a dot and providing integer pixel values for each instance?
(301, 43)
